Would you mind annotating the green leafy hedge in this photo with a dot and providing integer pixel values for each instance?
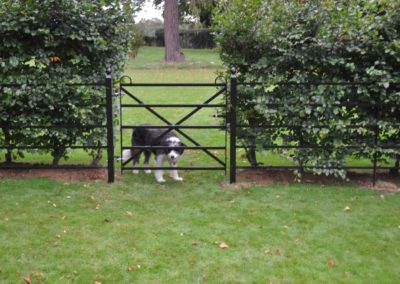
(283, 43)
(45, 45)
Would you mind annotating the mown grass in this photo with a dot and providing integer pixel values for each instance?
(137, 231)
(152, 58)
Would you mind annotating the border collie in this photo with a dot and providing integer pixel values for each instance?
(146, 137)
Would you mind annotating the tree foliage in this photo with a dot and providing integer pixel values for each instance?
(43, 46)
(283, 43)
(201, 9)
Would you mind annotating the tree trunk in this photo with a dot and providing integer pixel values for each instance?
(173, 51)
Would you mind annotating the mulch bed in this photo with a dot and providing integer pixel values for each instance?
(63, 173)
(247, 178)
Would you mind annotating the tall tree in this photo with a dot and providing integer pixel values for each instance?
(175, 10)
(173, 52)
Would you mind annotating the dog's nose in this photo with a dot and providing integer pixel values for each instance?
(173, 157)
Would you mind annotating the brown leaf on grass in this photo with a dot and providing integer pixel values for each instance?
(27, 279)
(97, 206)
(39, 276)
(96, 282)
(267, 251)
(195, 243)
(331, 263)
(129, 213)
(346, 209)
(278, 251)
(223, 245)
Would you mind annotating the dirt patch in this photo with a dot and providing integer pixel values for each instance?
(246, 178)
(63, 173)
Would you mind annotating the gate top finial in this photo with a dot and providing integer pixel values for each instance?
(108, 73)
(233, 72)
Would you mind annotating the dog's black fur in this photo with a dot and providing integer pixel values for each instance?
(148, 136)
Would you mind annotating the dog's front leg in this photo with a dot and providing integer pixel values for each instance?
(159, 174)
(174, 173)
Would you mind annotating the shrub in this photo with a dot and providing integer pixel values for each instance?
(282, 43)
(196, 38)
(43, 46)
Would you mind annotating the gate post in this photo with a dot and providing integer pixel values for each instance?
(110, 127)
(232, 124)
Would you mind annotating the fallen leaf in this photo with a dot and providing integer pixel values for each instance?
(195, 243)
(223, 245)
(346, 209)
(39, 276)
(27, 279)
(129, 213)
(267, 251)
(398, 227)
(296, 241)
(97, 206)
(331, 263)
(278, 251)
(54, 205)
(92, 197)
(382, 197)
(286, 227)
(277, 196)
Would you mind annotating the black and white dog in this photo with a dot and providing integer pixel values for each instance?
(147, 137)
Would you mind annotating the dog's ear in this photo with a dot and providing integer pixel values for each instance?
(181, 144)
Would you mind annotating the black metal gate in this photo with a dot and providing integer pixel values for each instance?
(169, 126)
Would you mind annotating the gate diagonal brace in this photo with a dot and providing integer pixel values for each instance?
(177, 124)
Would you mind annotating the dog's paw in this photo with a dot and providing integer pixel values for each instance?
(161, 180)
(147, 171)
(135, 172)
(178, 179)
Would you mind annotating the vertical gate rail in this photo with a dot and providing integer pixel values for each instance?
(374, 127)
(110, 128)
(233, 126)
(107, 84)
(169, 126)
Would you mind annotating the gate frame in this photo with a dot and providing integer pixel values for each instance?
(173, 126)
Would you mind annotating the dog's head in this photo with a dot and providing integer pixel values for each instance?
(174, 154)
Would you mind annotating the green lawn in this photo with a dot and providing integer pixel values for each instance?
(137, 231)
(152, 58)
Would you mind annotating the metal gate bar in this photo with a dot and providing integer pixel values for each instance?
(170, 126)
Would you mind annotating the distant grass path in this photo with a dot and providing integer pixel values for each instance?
(152, 58)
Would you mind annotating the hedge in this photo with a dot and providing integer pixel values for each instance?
(45, 45)
(200, 38)
(284, 42)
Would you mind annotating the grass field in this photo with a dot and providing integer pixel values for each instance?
(137, 231)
